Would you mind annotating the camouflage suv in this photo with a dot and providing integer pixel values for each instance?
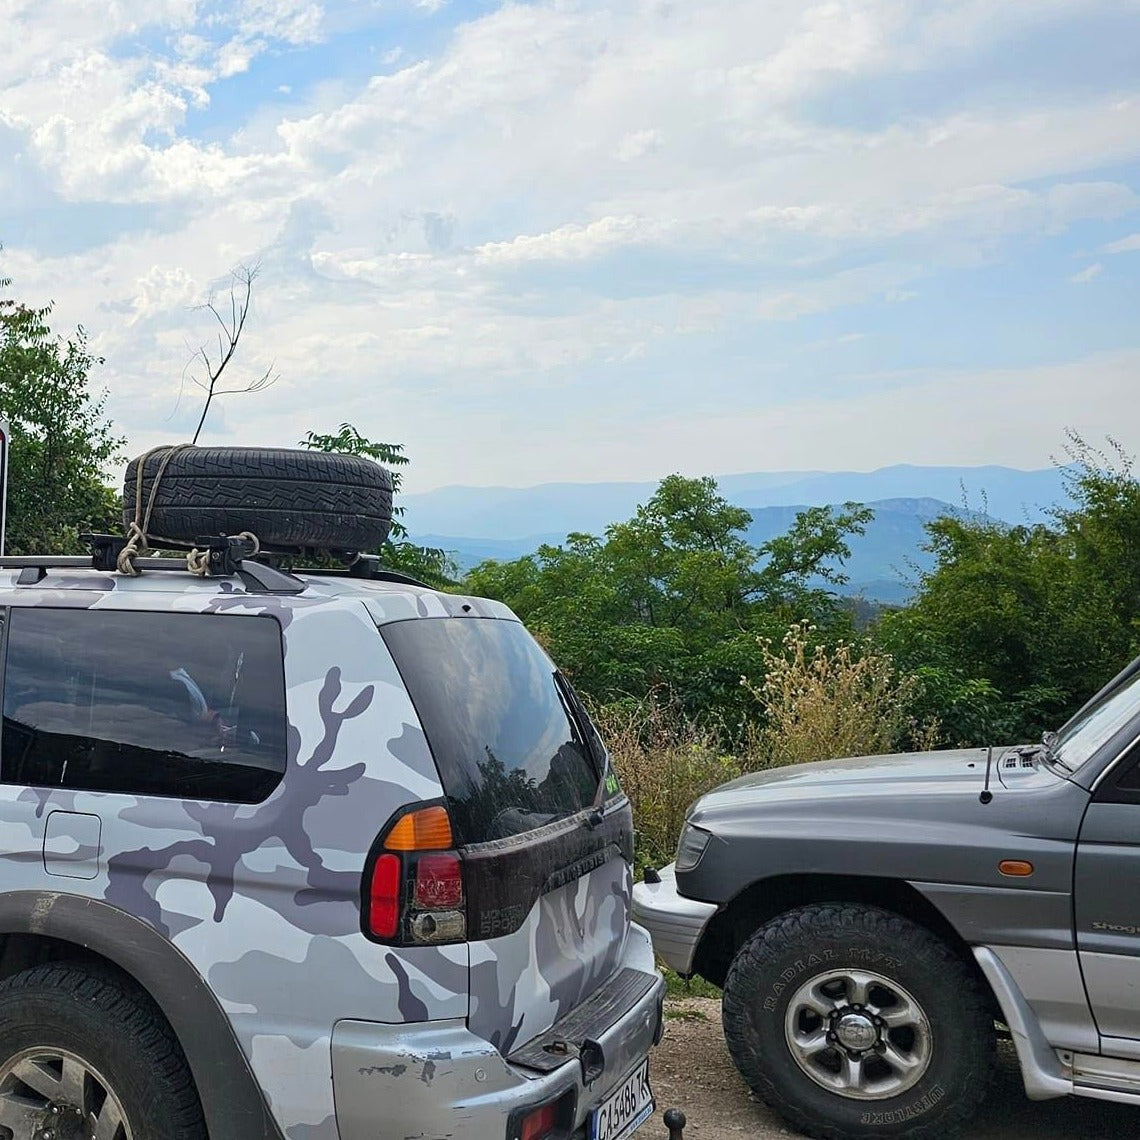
(305, 856)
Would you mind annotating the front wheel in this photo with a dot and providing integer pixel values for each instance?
(854, 1022)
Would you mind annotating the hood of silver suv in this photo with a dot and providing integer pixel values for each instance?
(924, 774)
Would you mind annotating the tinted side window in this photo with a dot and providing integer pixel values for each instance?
(510, 755)
(1122, 785)
(187, 705)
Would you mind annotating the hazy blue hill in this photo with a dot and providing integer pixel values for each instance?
(884, 561)
(1001, 492)
(518, 512)
(502, 513)
(468, 552)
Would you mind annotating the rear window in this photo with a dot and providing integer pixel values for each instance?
(510, 754)
(161, 704)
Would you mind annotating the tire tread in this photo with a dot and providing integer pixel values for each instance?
(800, 927)
(150, 1038)
(289, 498)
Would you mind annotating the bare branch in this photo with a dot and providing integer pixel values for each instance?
(229, 335)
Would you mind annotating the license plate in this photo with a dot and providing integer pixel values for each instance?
(624, 1111)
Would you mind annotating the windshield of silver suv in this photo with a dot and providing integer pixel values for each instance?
(1084, 735)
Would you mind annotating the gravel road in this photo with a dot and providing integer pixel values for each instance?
(691, 1070)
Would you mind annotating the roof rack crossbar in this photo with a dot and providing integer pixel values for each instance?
(368, 568)
(46, 561)
(228, 557)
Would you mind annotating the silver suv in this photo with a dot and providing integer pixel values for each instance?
(873, 919)
(308, 856)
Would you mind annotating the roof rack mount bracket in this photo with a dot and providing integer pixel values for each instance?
(105, 550)
(226, 553)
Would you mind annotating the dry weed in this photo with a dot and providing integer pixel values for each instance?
(665, 761)
(820, 703)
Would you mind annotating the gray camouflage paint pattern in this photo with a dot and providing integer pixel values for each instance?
(283, 876)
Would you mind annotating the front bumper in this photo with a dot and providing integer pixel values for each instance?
(675, 923)
(435, 1079)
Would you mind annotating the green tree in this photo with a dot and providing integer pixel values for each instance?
(1015, 626)
(674, 597)
(429, 565)
(62, 441)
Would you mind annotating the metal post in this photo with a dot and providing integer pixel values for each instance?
(5, 439)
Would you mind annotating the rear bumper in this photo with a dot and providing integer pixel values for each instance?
(675, 923)
(439, 1079)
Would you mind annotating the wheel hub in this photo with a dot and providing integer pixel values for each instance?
(53, 1094)
(60, 1121)
(856, 1032)
(859, 1034)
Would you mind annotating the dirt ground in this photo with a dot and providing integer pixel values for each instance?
(691, 1071)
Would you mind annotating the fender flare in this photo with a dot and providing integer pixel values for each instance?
(232, 1101)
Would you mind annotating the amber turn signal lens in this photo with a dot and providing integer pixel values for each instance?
(1016, 868)
(428, 829)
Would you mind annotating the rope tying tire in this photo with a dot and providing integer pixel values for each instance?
(137, 530)
(197, 561)
(136, 545)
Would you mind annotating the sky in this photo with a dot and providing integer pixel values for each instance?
(592, 239)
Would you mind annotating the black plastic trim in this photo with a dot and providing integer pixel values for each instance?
(504, 878)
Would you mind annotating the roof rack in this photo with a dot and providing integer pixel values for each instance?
(228, 558)
(368, 568)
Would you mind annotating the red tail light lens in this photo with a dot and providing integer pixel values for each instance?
(540, 1123)
(413, 894)
(384, 897)
(439, 882)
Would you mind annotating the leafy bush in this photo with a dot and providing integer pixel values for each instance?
(1015, 627)
(673, 599)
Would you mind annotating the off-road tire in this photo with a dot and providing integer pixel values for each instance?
(291, 499)
(787, 951)
(114, 1028)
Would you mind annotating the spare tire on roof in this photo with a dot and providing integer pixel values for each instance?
(291, 499)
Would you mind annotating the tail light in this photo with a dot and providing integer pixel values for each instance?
(545, 1122)
(413, 885)
(540, 1123)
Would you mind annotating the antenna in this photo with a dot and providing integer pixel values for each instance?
(987, 795)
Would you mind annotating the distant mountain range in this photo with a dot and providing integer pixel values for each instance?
(476, 523)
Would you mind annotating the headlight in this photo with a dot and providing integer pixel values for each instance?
(691, 847)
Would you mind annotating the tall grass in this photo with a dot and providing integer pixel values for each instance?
(665, 761)
(814, 702)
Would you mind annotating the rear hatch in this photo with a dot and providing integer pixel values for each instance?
(545, 833)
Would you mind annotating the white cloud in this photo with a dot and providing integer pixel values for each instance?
(1089, 273)
(561, 186)
(1130, 244)
(1012, 416)
(639, 143)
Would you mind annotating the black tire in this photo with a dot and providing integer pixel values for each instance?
(115, 1031)
(292, 499)
(770, 971)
